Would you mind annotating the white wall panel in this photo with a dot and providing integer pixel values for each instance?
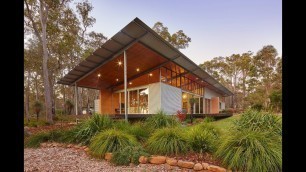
(171, 99)
(154, 98)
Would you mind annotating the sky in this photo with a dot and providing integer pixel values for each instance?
(216, 27)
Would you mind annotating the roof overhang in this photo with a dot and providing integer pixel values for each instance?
(137, 31)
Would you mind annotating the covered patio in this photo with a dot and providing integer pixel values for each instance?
(138, 73)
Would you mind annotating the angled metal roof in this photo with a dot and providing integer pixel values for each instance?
(137, 31)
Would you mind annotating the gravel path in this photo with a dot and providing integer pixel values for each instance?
(63, 159)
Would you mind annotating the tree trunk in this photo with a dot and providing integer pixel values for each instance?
(47, 89)
(80, 102)
(27, 102)
(36, 88)
(88, 106)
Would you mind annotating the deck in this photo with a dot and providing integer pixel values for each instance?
(143, 116)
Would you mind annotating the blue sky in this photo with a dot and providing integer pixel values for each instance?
(216, 27)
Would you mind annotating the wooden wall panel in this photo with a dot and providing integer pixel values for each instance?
(215, 105)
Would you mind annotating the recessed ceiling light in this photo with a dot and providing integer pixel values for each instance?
(202, 81)
(151, 74)
(119, 63)
(99, 75)
(197, 78)
(137, 69)
(130, 83)
(117, 79)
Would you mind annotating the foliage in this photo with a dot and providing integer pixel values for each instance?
(257, 107)
(251, 151)
(68, 106)
(127, 155)
(178, 39)
(209, 119)
(111, 140)
(35, 140)
(91, 127)
(140, 131)
(202, 138)
(259, 121)
(276, 99)
(161, 120)
(36, 123)
(181, 115)
(168, 141)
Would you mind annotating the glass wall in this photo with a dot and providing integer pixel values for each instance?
(198, 104)
(138, 101)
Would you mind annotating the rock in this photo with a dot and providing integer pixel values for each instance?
(198, 167)
(87, 149)
(216, 168)
(205, 165)
(84, 147)
(43, 145)
(171, 161)
(69, 146)
(171, 167)
(157, 159)
(185, 164)
(143, 160)
(108, 156)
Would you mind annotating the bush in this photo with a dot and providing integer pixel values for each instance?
(35, 140)
(111, 140)
(168, 141)
(35, 123)
(259, 121)
(258, 107)
(128, 155)
(251, 151)
(122, 125)
(203, 138)
(161, 120)
(141, 132)
(180, 115)
(210, 128)
(89, 128)
(209, 119)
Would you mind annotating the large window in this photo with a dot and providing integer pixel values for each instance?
(197, 107)
(137, 101)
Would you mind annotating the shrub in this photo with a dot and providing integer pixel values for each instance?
(168, 141)
(181, 115)
(35, 123)
(209, 127)
(139, 130)
(122, 125)
(209, 119)
(111, 140)
(161, 120)
(127, 155)
(251, 151)
(35, 140)
(259, 121)
(257, 106)
(203, 138)
(89, 128)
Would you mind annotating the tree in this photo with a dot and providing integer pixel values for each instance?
(178, 39)
(37, 107)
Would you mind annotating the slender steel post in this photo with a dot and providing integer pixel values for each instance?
(125, 86)
(76, 98)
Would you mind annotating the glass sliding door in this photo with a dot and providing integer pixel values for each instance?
(133, 101)
(143, 101)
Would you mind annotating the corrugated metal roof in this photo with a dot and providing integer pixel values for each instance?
(137, 31)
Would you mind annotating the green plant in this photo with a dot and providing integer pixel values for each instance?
(168, 141)
(122, 125)
(209, 119)
(127, 155)
(36, 123)
(37, 108)
(203, 138)
(91, 127)
(35, 140)
(257, 106)
(111, 140)
(161, 120)
(249, 150)
(139, 130)
(259, 121)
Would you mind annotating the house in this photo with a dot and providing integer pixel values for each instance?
(138, 72)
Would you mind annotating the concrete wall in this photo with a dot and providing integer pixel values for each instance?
(171, 99)
(209, 93)
(154, 97)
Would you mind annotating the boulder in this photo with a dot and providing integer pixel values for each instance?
(205, 165)
(69, 146)
(143, 160)
(87, 149)
(198, 167)
(157, 159)
(43, 145)
(171, 161)
(185, 164)
(108, 156)
(216, 168)
(170, 167)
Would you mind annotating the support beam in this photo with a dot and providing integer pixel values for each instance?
(76, 98)
(125, 86)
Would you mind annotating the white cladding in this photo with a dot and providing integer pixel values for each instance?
(222, 106)
(171, 99)
(97, 106)
(154, 98)
(208, 94)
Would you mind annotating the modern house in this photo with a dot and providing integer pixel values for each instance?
(138, 72)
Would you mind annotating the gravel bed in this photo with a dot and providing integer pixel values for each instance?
(64, 159)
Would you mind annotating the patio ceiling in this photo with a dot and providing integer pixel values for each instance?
(145, 50)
